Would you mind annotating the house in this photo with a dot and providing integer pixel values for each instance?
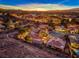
(56, 20)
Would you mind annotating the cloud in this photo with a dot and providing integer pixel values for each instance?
(9, 7)
(45, 7)
(39, 7)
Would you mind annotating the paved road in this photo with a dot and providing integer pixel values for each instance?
(10, 47)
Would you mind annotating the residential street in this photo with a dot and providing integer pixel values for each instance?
(10, 47)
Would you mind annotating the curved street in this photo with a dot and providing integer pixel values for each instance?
(11, 47)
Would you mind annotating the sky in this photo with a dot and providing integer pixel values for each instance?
(18, 2)
(41, 4)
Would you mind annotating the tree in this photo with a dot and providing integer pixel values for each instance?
(10, 24)
(51, 24)
(64, 22)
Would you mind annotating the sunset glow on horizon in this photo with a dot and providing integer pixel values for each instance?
(38, 7)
